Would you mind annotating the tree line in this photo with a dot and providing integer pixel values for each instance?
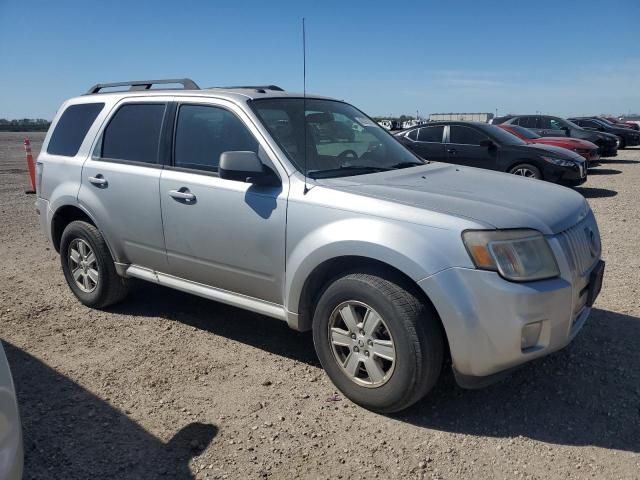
(24, 125)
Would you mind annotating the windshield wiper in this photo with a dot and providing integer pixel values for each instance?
(406, 165)
(346, 171)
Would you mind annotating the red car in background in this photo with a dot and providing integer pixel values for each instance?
(582, 147)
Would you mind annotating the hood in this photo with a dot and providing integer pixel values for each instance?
(562, 141)
(543, 149)
(497, 200)
(604, 135)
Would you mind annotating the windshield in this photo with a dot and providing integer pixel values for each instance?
(524, 132)
(339, 139)
(502, 136)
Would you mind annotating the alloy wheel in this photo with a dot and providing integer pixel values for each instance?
(83, 265)
(524, 172)
(362, 343)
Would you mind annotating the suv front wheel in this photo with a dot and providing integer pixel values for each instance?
(380, 344)
(88, 266)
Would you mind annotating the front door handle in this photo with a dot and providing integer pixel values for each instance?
(182, 194)
(452, 151)
(98, 180)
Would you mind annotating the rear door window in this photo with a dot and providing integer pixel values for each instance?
(431, 134)
(133, 133)
(72, 127)
(527, 122)
(465, 135)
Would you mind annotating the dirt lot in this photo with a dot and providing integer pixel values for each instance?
(167, 385)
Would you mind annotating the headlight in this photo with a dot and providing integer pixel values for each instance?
(518, 255)
(560, 161)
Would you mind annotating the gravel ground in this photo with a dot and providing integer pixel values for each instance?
(168, 385)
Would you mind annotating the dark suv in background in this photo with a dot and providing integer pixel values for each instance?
(549, 126)
(626, 136)
(487, 146)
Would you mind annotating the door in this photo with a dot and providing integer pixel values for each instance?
(222, 233)
(463, 148)
(553, 127)
(428, 143)
(120, 184)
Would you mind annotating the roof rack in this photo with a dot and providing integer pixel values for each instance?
(259, 88)
(187, 83)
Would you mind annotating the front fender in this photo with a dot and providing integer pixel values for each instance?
(416, 250)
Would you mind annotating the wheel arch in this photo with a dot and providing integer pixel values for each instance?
(67, 213)
(330, 269)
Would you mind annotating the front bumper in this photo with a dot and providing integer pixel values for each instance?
(484, 315)
(631, 140)
(609, 150)
(569, 176)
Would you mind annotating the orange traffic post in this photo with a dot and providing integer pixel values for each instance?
(31, 166)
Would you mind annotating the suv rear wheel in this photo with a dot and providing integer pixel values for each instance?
(380, 345)
(88, 266)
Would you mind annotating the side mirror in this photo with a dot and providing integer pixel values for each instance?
(487, 143)
(566, 131)
(246, 167)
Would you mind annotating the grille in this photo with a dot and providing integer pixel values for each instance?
(581, 244)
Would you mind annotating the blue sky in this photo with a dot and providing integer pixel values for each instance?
(555, 56)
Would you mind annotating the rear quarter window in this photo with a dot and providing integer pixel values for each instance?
(72, 127)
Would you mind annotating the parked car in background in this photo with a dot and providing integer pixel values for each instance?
(395, 264)
(626, 136)
(549, 126)
(11, 450)
(481, 145)
(621, 123)
(588, 150)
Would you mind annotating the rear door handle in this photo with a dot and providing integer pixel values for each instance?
(452, 151)
(98, 180)
(182, 194)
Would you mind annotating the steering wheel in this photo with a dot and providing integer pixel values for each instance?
(343, 156)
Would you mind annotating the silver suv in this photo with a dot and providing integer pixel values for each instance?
(304, 209)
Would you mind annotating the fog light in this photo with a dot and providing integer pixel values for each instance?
(530, 335)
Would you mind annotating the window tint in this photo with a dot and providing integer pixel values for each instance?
(413, 134)
(431, 134)
(133, 133)
(527, 122)
(589, 123)
(72, 128)
(203, 133)
(466, 135)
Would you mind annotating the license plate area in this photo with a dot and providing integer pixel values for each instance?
(595, 283)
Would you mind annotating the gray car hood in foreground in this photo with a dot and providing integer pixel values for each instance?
(498, 200)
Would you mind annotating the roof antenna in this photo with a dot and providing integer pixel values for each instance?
(304, 102)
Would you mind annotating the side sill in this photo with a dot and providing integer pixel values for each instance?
(212, 293)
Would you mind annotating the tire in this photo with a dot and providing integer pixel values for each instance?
(98, 284)
(414, 329)
(528, 170)
(622, 145)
